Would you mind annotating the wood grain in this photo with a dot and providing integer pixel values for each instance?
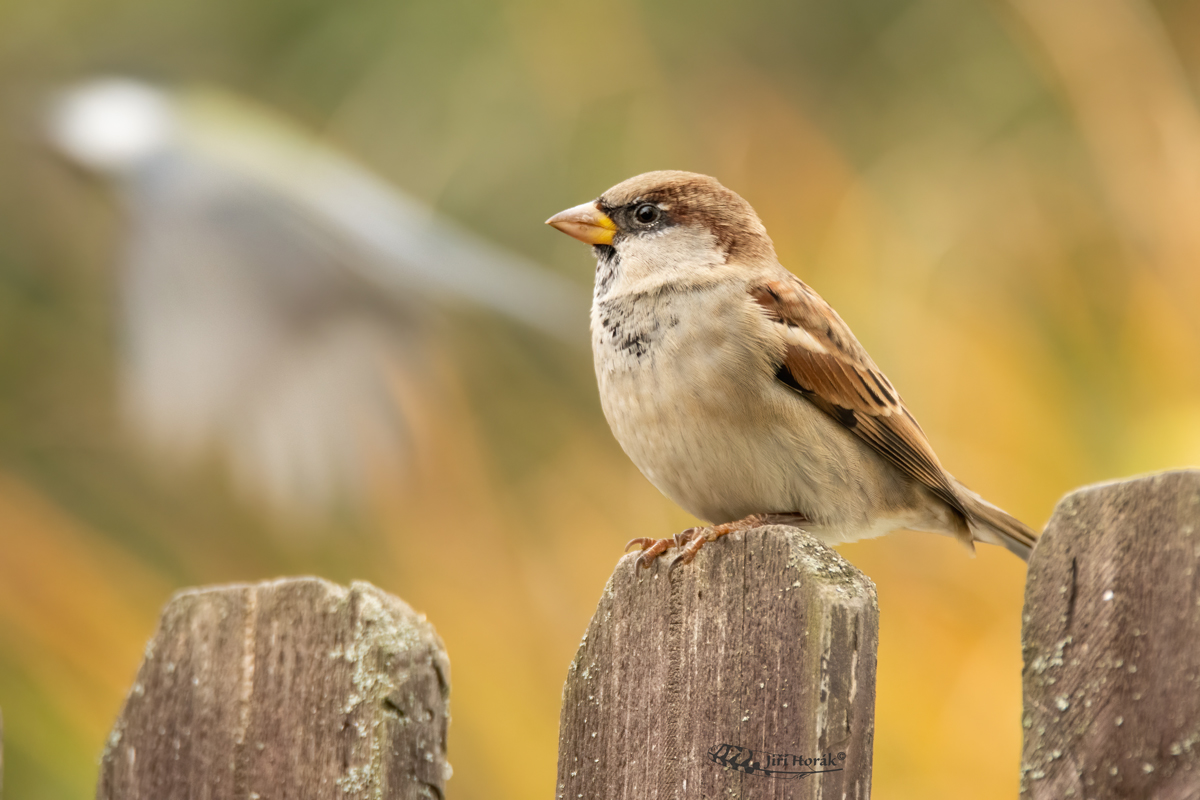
(295, 688)
(1111, 641)
(731, 678)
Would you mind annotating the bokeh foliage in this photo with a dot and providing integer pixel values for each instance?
(998, 198)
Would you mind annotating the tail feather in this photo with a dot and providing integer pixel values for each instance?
(996, 526)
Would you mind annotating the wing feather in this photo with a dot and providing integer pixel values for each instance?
(827, 365)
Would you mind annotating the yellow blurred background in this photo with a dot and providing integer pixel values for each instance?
(1001, 198)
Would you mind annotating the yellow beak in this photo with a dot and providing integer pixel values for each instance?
(586, 222)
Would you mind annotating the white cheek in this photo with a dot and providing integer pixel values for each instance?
(672, 254)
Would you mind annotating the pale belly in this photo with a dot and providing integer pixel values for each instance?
(701, 414)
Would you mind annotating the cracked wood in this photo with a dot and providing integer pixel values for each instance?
(295, 688)
(1111, 641)
(731, 679)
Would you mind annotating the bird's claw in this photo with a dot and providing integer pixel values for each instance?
(683, 537)
(690, 540)
(651, 549)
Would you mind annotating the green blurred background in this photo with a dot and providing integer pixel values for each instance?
(1000, 198)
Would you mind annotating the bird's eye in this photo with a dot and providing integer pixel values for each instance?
(646, 213)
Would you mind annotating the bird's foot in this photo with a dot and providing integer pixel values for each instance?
(691, 541)
(653, 548)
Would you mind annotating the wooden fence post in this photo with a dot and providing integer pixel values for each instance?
(1111, 640)
(293, 688)
(749, 673)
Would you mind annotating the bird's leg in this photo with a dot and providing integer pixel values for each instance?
(701, 536)
(693, 539)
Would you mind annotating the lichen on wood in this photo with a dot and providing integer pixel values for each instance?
(291, 688)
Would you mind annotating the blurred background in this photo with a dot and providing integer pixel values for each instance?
(270, 329)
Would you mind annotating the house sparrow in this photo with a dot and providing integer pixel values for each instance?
(739, 392)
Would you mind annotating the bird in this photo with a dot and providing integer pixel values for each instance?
(278, 299)
(740, 393)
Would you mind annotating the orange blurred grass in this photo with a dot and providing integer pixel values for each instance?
(75, 613)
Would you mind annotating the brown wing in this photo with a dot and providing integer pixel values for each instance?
(827, 365)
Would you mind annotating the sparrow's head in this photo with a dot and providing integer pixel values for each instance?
(668, 222)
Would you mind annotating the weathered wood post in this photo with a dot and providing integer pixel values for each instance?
(749, 673)
(293, 688)
(1111, 640)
